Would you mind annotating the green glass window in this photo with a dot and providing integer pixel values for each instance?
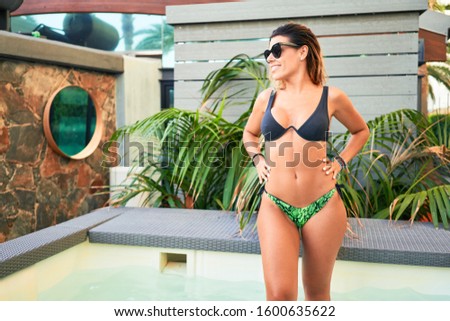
(72, 120)
(72, 123)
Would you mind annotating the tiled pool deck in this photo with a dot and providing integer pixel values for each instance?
(378, 241)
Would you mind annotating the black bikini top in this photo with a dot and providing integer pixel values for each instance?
(315, 128)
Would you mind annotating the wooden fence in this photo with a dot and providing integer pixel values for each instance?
(370, 47)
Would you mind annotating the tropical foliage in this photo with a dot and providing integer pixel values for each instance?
(199, 160)
(158, 36)
(401, 173)
(189, 163)
(437, 6)
(127, 30)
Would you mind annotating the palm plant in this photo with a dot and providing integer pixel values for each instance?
(227, 81)
(128, 30)
(199, 160)
(158, 36)
(437, 6)
(403, 171)
(187, 165)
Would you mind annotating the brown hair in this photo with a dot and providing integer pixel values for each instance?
(302, 35)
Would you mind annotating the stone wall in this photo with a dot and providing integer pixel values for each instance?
(39, 188)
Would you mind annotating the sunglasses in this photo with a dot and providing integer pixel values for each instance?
(276, 49)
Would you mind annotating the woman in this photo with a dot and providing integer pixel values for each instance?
(300, 202)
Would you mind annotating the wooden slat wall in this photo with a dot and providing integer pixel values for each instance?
(322, 26)
(370, 47)
(270, 10)
(435, 46)
(339, 46)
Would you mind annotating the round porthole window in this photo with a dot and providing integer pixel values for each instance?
(72, 123)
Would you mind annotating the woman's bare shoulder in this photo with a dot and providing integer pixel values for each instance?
(338, 99)
(335, 93)
(263, 99)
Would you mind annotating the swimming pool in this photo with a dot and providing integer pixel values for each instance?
(120, 272)
(178, 254)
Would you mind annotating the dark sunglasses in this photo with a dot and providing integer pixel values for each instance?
(276, 49)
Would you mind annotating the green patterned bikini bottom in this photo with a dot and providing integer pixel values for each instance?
(301, 215)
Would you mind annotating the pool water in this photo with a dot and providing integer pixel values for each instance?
(116, 272)
(139, 283)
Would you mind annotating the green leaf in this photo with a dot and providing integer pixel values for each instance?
(442, 201)
(441, 207)
(405, 201)
(419, 200)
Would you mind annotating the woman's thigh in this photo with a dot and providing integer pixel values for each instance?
(280, 245)
(322, 237)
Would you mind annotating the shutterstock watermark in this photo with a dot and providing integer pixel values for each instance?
(200, 153)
